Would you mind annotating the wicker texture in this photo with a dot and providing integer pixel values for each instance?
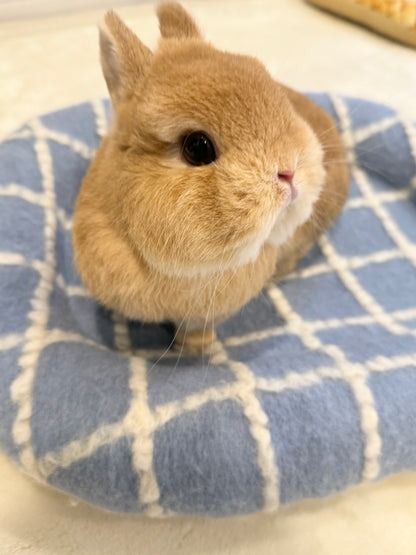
(401, 11)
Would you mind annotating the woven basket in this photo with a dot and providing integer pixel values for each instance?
(393, 18)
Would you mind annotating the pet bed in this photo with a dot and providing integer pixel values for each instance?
(310, 389)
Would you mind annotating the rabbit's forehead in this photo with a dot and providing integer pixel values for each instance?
(227, 96)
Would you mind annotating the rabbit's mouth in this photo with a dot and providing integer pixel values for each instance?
(289, 191)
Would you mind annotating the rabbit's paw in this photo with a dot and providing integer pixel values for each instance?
(194, 341)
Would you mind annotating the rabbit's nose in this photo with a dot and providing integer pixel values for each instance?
(287, 176)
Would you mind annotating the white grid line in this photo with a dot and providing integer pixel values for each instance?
(19, 134)
(408, 249)
(258, 425)
(362, 296)
(410, 131)
(296, 380)
(12, 259)
(37, 199)
(384, 364)
(64, 220)
(62, 139)
(79, 449)
(46, 134)
(19, 191)
(316, 325)
(100, 117)
(22, 387)
(10, 341)
(372, 129)
(385, 197)
(71, 290)
(140, 423)
(356, 379)
(139, 420)
(59, 336)
(353, 263)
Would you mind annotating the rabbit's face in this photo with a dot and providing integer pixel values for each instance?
(211, 161)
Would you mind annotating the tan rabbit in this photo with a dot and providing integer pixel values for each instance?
(212, 178)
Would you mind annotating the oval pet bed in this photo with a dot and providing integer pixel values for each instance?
(310, 389)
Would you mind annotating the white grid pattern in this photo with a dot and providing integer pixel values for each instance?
(21, 390)
(141, 421)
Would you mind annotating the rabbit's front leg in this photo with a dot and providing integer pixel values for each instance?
(194, 338)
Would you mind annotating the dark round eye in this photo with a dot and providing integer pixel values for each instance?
(197, 149)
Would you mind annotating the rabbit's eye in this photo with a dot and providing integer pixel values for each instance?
(197, 149)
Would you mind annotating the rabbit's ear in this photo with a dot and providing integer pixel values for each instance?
(175, 22)
(124, 58)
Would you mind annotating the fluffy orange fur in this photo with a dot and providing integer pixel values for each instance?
(158, 239)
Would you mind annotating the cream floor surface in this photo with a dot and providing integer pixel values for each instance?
(49, 63)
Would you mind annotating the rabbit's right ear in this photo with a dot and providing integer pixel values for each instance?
(124, 58)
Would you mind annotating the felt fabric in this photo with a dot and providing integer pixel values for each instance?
(311, 387)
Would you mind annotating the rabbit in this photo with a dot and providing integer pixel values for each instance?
(213, 179)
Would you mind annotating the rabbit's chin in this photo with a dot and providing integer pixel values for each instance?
(239, 256)
(276, 231)
(296, 214)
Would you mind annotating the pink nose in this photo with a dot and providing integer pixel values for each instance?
(286, 176)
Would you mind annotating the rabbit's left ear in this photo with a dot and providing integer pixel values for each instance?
(175, 22)
(124, 58)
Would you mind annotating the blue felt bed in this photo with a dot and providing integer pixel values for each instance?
(311, 389)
